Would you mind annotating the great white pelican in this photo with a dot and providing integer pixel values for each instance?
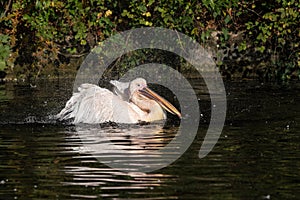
(130, 102)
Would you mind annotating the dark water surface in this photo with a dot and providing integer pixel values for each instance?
(256, 157)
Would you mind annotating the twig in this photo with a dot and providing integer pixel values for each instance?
(7, 7)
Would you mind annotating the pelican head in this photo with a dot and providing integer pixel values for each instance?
(149, 101)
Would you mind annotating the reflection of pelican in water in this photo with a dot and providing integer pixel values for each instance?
(127, 147)
(125, 150)
(130, 103)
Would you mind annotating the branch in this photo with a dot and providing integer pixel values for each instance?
(7, 8)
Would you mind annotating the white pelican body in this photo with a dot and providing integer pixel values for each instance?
(132, 102)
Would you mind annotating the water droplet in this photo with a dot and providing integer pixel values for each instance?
(267, 197)
(288, 127)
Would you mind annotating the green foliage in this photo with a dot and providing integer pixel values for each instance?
(218, 7)
(69, 22)
(50, 32)
(41, 33)
(4, 51)
(276, 33)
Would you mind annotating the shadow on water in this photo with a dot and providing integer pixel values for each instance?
(256, 157)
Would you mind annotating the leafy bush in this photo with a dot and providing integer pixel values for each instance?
(55, 34)
(276, 32)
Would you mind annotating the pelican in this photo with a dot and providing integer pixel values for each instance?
(130, 102)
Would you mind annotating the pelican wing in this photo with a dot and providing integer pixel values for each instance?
(121, 89)
(93, 104)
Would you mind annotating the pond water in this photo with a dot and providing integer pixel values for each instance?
(256, 157)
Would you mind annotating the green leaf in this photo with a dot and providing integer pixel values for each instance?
(2, 65)
(4, 39)
(225, 33)
(227, 19)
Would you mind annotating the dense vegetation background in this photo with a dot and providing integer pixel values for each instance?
(249, 38)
